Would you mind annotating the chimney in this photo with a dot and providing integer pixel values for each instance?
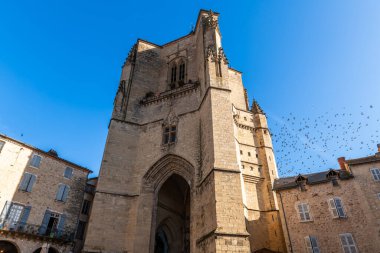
(343, 164)
(378, 150)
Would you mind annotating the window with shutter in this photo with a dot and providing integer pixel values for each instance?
(36, 161)
(13, 216)
(27, 182)
(62, 193)
(311, 244)
(336, 208)
(375, 174)
(68, 173)
(304, 212)
(348, 243)
(2, 143)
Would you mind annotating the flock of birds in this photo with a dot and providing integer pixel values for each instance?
(307, 144)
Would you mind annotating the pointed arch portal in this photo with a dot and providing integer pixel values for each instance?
(170, 180)
(172, 233)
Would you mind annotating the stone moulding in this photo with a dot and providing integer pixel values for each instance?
(179, 92)
(164, 168)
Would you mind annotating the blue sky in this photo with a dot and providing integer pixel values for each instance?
(306, 62)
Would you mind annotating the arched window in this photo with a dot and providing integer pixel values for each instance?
(181, 71)
(173, 74)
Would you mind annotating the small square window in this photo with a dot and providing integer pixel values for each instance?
(241, 152)
(242, 167)
(170, 134)
(249, 153)
(251, 168)
(36, 161)
(245, 118)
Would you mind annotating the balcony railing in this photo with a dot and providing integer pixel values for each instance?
(35, 231)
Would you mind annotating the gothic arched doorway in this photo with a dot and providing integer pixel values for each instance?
(8, 247)
(172, 234)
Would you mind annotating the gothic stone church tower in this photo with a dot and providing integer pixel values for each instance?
(187, 166)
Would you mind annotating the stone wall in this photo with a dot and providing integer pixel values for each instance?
(15, 161)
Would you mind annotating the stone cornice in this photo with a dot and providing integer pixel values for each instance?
(179, 92)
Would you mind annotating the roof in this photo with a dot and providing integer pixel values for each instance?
(182, 37)
(311, 179)
(368, 159)
(46, 153)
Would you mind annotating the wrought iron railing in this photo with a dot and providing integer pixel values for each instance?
(36, 230)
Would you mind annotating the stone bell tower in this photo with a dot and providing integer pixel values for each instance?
(187, 167)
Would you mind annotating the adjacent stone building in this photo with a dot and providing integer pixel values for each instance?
(188, 166)
(334, 210)
(41, 198)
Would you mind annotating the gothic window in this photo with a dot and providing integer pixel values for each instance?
(173, 74)
(181, 72)
(170, 134)
(177, 73)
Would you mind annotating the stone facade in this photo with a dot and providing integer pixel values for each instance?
(359, 195)
(181, 124)
(40, 198)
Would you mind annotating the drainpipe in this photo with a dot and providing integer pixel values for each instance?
(286, 224)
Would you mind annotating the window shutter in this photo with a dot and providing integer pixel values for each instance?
(376, 174)
(60, 191)
(333, 210)
(25, 181)
(4, 213)
(61, 223)
(45, 221)
(31, 183)
(24, 217)
(300, 211)
(309, 248)
(339, 207)
(314, 244)
(65, 192)
(36, 160)
(306, 211)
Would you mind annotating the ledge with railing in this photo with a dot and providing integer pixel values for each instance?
(35, 232)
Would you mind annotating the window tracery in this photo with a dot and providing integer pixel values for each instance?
(177, 73)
